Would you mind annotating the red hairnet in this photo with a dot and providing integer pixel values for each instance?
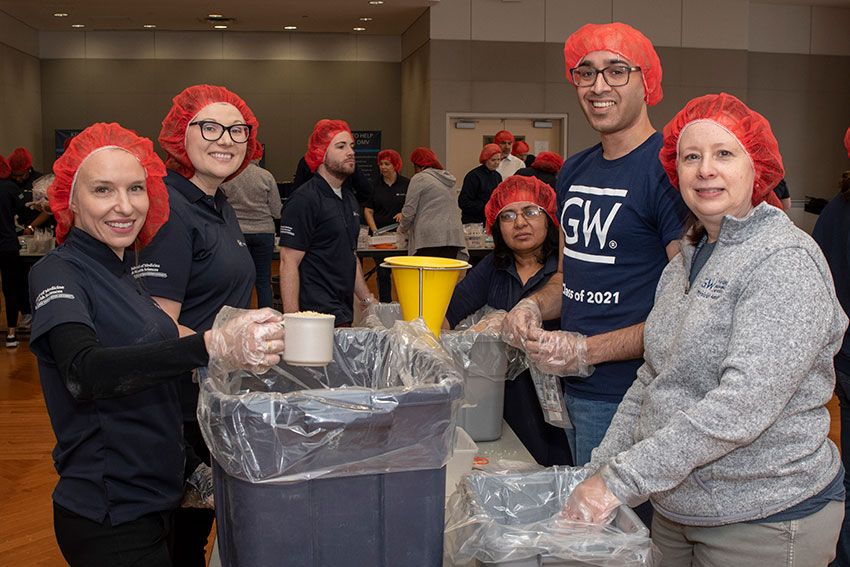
(81, 147)
(847, 141)
(520, 148)
(488, 151)
(625, 41)
(391, 156)
(751, 129)
(321, 137)
(550, 162)
(184, 108)
(517, 188)
(20, 160)
(424, 157)
(503, 136)
(5, 170)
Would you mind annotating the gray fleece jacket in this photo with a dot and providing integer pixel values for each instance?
(431, 216)
(726, 421)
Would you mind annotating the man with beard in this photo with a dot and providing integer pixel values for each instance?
(319, 270)
(621, 221)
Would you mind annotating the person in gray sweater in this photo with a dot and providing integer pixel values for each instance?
(725, 429)
(431, 216)
(254, 197)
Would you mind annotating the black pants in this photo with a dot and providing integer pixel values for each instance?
(13, 276)
(439, 251)
(192, 526)
(86, 543)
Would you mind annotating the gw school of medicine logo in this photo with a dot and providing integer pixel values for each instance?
(590, 229)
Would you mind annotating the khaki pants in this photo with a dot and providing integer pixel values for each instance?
(807, 542)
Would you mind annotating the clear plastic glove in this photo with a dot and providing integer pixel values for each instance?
(591, 502)
(368, 301)
(199, 489)
(249, 339)
(491, 322)
(524, 317)
(561, 353)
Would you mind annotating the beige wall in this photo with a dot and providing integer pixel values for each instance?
(415, 95)
(288, 97)
(20, 89)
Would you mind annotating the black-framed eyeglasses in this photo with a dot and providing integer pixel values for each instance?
(212, 131)
(614, 75)
(528, 212)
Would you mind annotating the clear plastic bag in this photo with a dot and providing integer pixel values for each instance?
(508, 517)
(387, 403)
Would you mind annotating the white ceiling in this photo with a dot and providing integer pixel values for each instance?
(334, 16)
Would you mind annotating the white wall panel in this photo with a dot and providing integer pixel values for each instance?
(274, 45)
(120, 45)
(451, 19)
(830, 31)
(780, 28)
(188, 45)
(659, 20)
(494, 20)
(62, 45)
(378, 48)
(718, 24)
(563, 17)
(323, 47)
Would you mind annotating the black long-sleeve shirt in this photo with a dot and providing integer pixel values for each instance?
(477, 187)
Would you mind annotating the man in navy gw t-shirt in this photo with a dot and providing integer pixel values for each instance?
(319, 270)
(620, 223)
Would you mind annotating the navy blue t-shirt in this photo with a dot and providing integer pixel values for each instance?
(617, 217)
(198, 258)
(832, 233)
(324, 227)
(499, 288)
(121, 457)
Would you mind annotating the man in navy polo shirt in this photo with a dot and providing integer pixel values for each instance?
(319, 270)
(620, 220)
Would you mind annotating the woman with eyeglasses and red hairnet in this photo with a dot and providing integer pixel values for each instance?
(430, 216)
(478, 185)
(520, 215)
(110, 359)
(199, 261)
(725, 428)
(832, 233)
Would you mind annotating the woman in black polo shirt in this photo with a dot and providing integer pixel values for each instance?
(109, 357)
(199, 262)
(384, 205)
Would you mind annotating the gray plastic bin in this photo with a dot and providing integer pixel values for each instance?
(513, 520)
(339, 468)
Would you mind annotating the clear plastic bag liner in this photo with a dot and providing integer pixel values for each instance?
(504, 517)
(476, 352)
(387, 403)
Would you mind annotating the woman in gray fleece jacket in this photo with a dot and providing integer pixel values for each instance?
(431, 216)
(725, 428)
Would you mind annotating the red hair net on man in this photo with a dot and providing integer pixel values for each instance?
(391, 156)
(488, 151)
(520, 148)
(625, 41)
(550, 162)
(94, 138)
(517, 188)
(847, 141)
(20, 161)
(751, 129)
(184, 108)
(503, 136)
(425, 157)
(317, 145)
(5, 170)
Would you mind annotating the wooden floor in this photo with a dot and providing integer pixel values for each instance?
(26, 468)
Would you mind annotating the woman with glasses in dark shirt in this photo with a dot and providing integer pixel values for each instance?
(199, 260)
(521, 217)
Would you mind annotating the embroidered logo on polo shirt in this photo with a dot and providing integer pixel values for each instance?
(241, 243)
(286, 230)
(51, 293)
(712, 288)
(148, 270)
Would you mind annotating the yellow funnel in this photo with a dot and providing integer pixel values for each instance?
(424, 285)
